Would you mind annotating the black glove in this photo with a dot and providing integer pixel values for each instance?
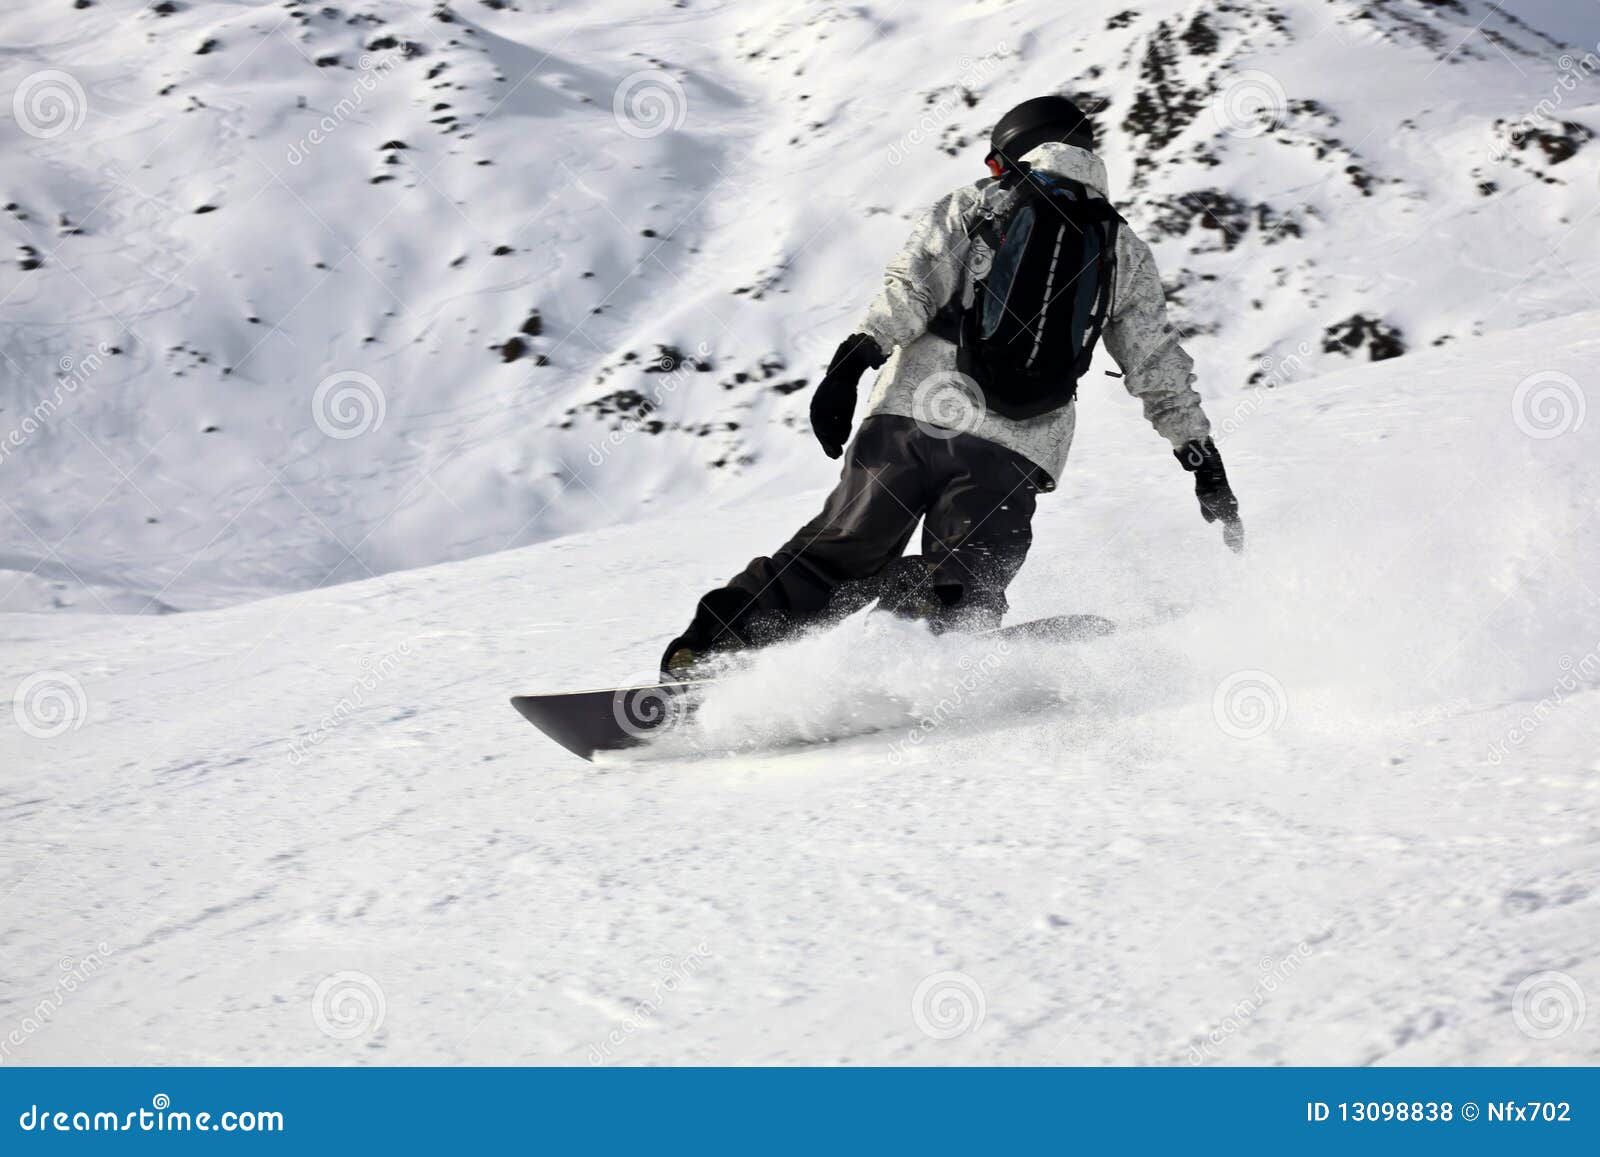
(1217, 501)
(834, 403)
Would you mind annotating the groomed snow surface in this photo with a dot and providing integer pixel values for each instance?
(1332, 801)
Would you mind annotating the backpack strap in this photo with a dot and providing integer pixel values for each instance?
(946, 323)
(1108, 220)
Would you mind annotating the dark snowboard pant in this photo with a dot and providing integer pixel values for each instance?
(975, 499)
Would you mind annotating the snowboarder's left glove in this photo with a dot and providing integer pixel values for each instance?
(1217, 501)
(834, 403)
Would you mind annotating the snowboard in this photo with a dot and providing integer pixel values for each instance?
(587, 723)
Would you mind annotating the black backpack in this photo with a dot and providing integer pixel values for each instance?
(1038, 312)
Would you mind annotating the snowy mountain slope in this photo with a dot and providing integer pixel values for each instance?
(1332, 801)
(304, 293)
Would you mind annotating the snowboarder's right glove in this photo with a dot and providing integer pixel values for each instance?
(1217, 501)
(834, 403)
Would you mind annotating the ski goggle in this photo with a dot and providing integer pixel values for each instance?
(996, 165)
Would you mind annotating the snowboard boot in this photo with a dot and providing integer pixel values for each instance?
(964, 609)
(679, 661)
(717, 628)
(904, 589)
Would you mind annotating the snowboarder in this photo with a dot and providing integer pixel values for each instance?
(986, 321)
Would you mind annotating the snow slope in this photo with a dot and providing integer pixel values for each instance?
(304, 292)
(1332, 801)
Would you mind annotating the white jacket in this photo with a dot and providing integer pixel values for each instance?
(941, 259)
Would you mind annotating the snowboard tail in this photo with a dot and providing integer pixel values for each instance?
(1056, 628)
(588, 723)
(609, 719)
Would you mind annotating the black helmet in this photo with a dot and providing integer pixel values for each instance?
(1036, 122)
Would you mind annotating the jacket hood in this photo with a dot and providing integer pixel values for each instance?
(1070, 161)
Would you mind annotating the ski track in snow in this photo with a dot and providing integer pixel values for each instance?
(302, 812)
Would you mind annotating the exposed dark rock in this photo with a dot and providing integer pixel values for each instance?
(1200, 38)
(669, 359)
(1381, 340)
(1163, 106)
(1360, 178)
(622, 403)
(1212, 209)
(1557, 146)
